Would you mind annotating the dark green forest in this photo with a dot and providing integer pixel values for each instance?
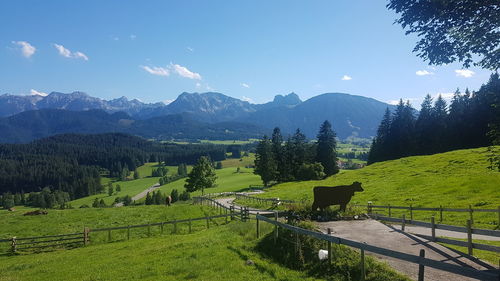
(470, 120)
(73, 163)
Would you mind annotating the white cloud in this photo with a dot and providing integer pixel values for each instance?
(68, 54)
(464, 73)
(156, 70)
(198, 84)
(346, 78)
(37, 93)
(243, 98)
(184, 72)
(132, 36)
(190, 49)
(78, 55)
(424, 73)
(393, 102)
(245, 85)
(446, 96)
(26, 48)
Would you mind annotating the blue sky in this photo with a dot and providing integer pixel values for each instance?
(155, 50)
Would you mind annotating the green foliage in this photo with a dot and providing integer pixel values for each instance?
(149, 199)
(184, 196)
(451, 30)
(136, 175)
(265, 165)
(218, 165)
(312, 171)
(182, 170)
(201, 176)
(118, 188)
(469, 122)
(110, 190)
(7, 201)
(326, 151)
(174, 195)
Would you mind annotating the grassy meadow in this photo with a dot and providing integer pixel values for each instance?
(454, 179)
(218, 253)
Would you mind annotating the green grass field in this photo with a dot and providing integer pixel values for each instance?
(227, 180)
(235, 162)
(74, 220)
(218, 253)
(453, 179)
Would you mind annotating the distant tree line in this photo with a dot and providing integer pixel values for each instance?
(296, 158)
(471, 120)
(74, 163)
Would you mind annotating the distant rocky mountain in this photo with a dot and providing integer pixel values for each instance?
(35, 124)
(350, 115)
(77, 101)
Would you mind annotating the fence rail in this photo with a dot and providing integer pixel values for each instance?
(38, 242)
(420, 260)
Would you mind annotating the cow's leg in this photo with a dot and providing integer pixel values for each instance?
(314, 206)
(342, 207)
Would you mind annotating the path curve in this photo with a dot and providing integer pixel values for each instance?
(142, 194)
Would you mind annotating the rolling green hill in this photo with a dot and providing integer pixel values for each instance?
(454, 179)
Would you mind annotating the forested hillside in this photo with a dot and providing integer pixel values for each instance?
(471, 120)
(73, 163)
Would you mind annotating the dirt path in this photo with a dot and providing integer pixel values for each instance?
(377, 234)
(446, 233)
(142, 194)
(227, 202)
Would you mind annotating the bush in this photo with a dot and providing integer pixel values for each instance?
(312, 171)
(174, 195)
(184, 196)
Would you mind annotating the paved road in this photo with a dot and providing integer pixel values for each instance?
(142, 194)
(375, 233)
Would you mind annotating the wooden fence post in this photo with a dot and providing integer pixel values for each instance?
(389, 210)
(411, 213)
(226, 214)
(403, 222)
(440, 213)
(469, 237)
(433, 229)
(421, 267)
(369, 208)
(257, 221)
(231, 210)
(275, 227)
(161, 228)
(498, 216)
(149, 229)
(363, 272)
(208, 223)
(85, 236)
(329, 248)
(189, 225)
(128, 232)
(471, 215)
(13, 245)
(175, 226)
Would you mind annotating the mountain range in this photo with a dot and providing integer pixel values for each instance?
(191, 116)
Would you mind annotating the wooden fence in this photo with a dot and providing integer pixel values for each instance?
(84, 238)
(420, 259)
(433, 226)
(370, 207)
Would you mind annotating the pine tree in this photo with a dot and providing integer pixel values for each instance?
(439, 121)
(326, 151)
(149, 199)
(279, 154)
(174, 194)
(298, 151)
(379, 149)
(136, 175)
(265, 165)
(118, 188)
(201, 176)
(110, 190)
(424, 127)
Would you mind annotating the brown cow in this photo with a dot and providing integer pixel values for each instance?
(325, 196)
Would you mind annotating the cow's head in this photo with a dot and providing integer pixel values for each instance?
(357, 186)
